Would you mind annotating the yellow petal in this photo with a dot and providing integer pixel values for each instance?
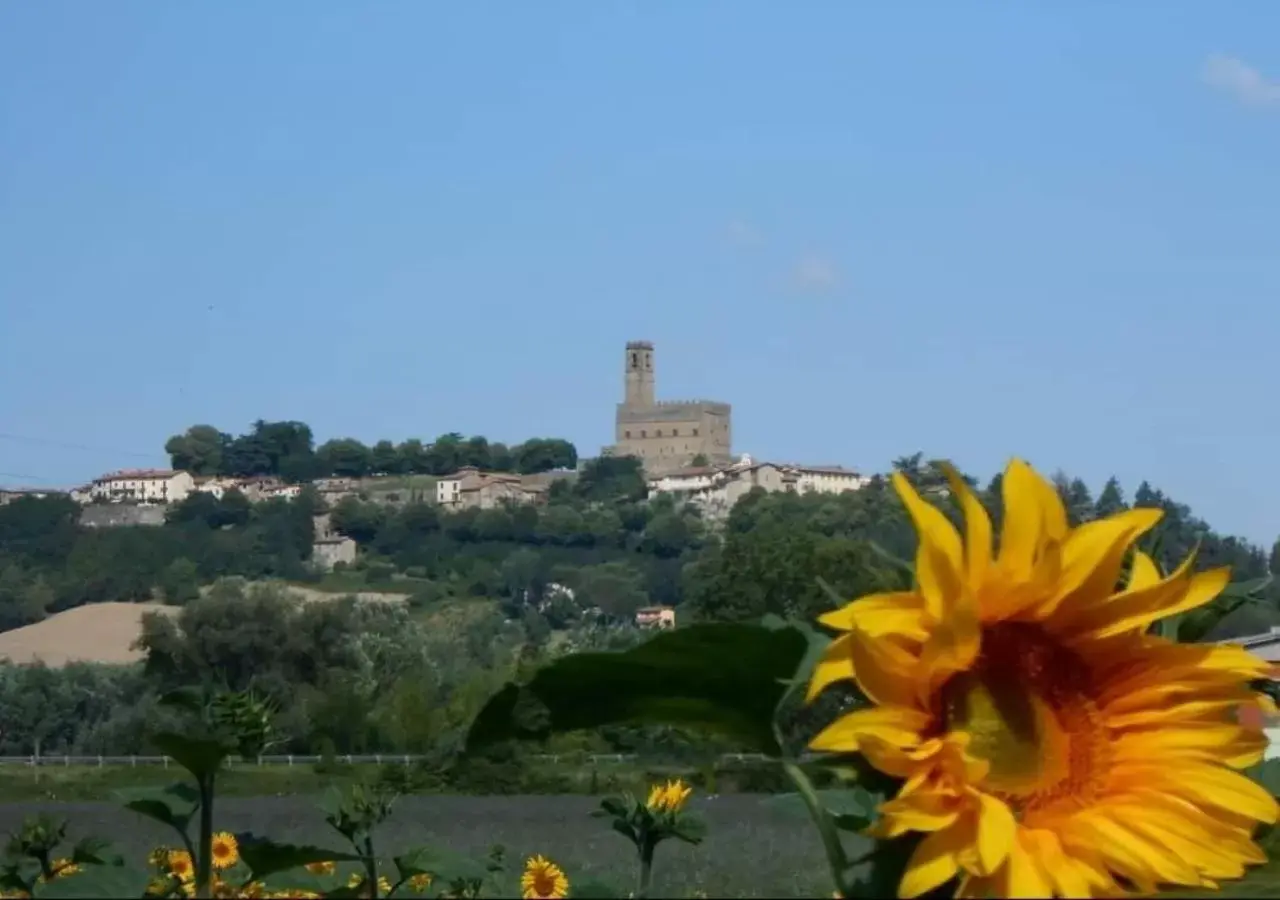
(920, 812)
(997, 833)
(884, 669)
(951, 647)
(1021, 876)
(1068, 882)
(1093, 555)
(835, 664)
(977, 525)
(1033, 517)
(939, 559)
(1217, 787)
(932, 864)
(877, 614)
(1136, 609)
(895, 725)
(1182, 712)
(1145, 571)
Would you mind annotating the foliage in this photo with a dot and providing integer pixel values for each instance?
(287, 450)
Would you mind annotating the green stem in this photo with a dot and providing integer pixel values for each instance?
(837, 861)
(647, 847)
(370, 866)
(204, 859)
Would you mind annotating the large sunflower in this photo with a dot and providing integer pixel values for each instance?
(1048, 745)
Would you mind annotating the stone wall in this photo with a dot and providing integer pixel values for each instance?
(114, 515)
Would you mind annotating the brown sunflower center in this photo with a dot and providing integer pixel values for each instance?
(1027, 706)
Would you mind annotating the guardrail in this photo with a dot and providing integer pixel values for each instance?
(348, 758)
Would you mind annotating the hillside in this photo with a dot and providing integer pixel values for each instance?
(99, 632)
(104, 632)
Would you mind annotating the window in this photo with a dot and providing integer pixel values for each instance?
(644, 433)
(695, 432)
(675, 432)
(635, 363)
(658, 433)
(627, 433)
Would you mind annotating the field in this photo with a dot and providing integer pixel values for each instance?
(753, 850)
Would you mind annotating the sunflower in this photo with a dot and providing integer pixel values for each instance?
(543, 879)
(1046, 742)
(225, 850)
(420, 882)
(669, 797)
(321, 868)
(179, 865)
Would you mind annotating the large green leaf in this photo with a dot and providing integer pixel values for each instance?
(265, 857)
(444, 866)
(721, 676)
(199, 756)
(173, 805)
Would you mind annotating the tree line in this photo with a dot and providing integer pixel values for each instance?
(488, 591)
(288, 450)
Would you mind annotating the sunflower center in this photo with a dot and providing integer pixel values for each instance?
(1027, 705)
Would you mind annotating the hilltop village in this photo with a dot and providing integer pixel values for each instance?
(684, 447)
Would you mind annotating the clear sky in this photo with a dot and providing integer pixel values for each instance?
(971, 229)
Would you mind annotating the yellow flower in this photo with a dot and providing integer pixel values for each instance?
(225, 850)
(321, 868)
(669, 797)
(1048, 745)
(357, 880)
(180, 866)
(159, 857)
(420, 882)
(62, 867)
(253, 890)
(543, 879)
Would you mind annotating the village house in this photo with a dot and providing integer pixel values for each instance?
(158, 486)
(656, 617)
(328, 547)
(715, 489)
(8, 495)
(470, 488)
(217, 485)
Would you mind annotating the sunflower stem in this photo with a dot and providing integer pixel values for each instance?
(204, 858)
(647, 848)
(836, 859)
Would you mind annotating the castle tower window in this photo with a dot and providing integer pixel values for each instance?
(695, 432)
(659, 432)
(675, 432)
(628, 433)
(644, 433)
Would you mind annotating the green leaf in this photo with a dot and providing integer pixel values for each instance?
(722, 676)
(852, 809)
(97, 881)
(92, 851)
(689, 829)
(265, 857)
(592, 890)
(173, 805)
(443, 866)
(201, 757)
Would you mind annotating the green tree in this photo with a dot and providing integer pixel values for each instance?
(180, 582)
(345, 458)
(198, 450)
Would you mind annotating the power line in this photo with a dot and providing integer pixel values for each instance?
(44, 442)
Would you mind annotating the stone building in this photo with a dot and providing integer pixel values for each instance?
(470, 488)
(667, 434)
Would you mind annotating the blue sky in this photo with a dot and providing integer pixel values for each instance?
(971, 229)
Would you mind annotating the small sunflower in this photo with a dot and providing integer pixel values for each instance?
(1048, 744)
(179, 864)
(225, 850)
(159, 857)
(543, 880)
(420, 882)
(669, 797)
(321, 868)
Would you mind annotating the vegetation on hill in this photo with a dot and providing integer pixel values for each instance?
(287, 449)
(493, 591)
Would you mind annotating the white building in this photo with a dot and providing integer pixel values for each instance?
(218, 485)
(143, 486)
(717, 488)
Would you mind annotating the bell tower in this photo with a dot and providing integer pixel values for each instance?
(639, 374)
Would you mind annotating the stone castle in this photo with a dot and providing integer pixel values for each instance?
(667, 435)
